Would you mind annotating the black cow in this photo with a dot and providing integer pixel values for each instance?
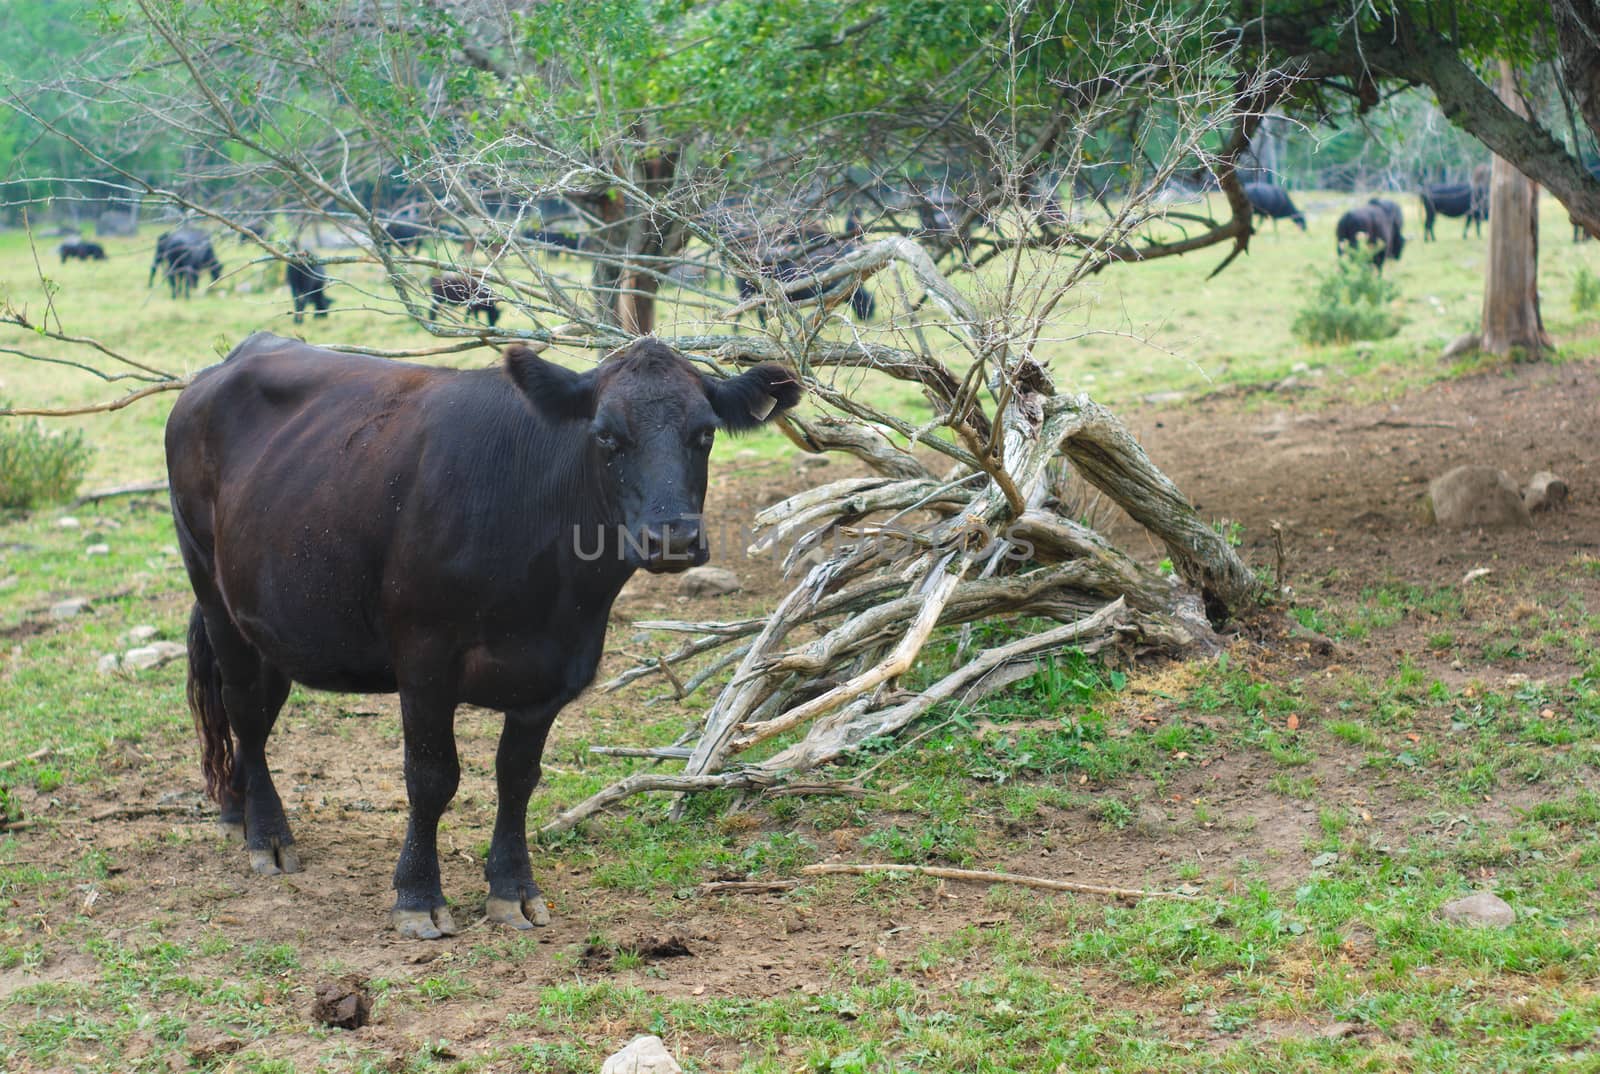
(787, 269)
(467, 289)
(1272, 201)
(82, 250)
(457, 536)
(308, 284)
(405, 234)
(1380, 221)
(1454, 199)
(557, 242)
(182, 256)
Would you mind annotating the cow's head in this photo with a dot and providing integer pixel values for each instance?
(649, 417)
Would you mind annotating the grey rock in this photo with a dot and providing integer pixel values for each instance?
(97, 550)
(66, 609)
(149, 656)
(67, 522)
(1322, 861)
(1151, 821)
(709, 582)
(108, 663)
(1545, 492)
(9, 581)
(643, 1055)
(1483, 910)
(1476, 496)
(143, 632)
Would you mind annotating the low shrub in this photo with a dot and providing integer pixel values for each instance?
(39, 465)
(1585, 290)
(1350, 302)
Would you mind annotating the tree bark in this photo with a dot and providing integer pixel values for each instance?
(1511, 318)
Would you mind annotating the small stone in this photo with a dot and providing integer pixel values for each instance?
(1322, 861)
(97, 550)
(709, 582)
(108, 663)
(66, 609)
(1151, 821)
(1476, 496)
(1483, 910)
(143, 632)
(643, 1055)
(1545, 492)
(67, 522)
(149, 656)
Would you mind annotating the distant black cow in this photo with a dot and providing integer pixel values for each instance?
(812, 253)
(1380, 221)
(557, 242)
(467, 289)
(1272, 201)
(308, 284)
(82, 250)
(456, 535)
(1454, 200)
(182, 256)
(405, 234)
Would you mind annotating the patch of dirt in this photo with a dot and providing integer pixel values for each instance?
(1342, 480)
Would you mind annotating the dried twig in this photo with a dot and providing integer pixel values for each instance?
(983, 876)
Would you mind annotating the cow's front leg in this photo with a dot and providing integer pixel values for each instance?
(432, 773)
(514, 899)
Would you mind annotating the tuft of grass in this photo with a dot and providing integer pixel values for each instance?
(1585, 290)
(40, 466)
(1349, 302)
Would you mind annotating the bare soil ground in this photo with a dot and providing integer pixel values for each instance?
(1344, 482)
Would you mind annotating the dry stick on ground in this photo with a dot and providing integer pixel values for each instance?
(121, 490)
(983, 876)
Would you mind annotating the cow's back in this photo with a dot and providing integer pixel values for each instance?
(292, 471)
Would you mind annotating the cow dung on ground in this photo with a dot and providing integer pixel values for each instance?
(342, 1004)
(1473, 497)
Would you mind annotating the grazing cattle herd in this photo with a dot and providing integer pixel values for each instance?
(768, 260)
(454, 535)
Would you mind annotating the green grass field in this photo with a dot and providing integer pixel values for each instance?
(1319, 817)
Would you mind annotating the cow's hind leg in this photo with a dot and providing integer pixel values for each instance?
(514, 899)
(432, 773)
(225, 667)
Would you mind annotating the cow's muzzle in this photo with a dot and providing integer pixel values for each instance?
(672, 546)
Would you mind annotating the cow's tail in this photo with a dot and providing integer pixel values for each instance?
(205, 704)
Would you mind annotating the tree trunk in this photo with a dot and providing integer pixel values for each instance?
(1511, 287)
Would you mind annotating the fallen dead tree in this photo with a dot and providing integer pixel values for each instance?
(890, 560)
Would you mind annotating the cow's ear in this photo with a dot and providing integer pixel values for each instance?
(552, 390)
(754, 396)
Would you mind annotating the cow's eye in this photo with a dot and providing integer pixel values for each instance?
(704, 439)
(607, 441)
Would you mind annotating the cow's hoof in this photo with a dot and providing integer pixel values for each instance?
(423, 924)
(270, 861)
(231, 830)
(518, 913)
